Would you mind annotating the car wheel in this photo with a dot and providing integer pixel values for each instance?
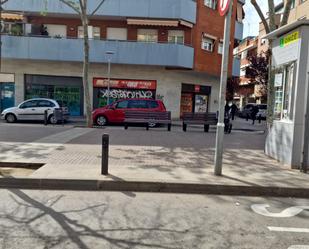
(10, 118)
(52, 119)
(101, 121)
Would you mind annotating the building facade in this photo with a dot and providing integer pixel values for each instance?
(164, 49)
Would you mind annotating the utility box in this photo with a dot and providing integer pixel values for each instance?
(287, 140)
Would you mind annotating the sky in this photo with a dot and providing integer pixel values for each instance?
(251, 21)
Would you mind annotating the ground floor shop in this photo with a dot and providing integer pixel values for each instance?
(7, 91)
(180, 90)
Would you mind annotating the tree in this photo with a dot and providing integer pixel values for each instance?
(231, 88)
(270, 26)
(258, 71)
(81, 8)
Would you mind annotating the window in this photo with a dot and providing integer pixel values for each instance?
(207, 44)
(176, 36)
(220, 48)
(93, 32)
(29, 104)
(122, 104)
(211, 3)
(153, 104)
(284, 88)
(117, 34)
(147, 35)
(56, 30)
(139, 104)
(244, 54)
(45, 103)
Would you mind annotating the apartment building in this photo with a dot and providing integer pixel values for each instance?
(164, 49)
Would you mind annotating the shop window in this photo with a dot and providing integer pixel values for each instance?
(176, 36)
(117, 34)
(207, 44)
(284, 88)
(93, 32)
(211, 3)
(147, 35)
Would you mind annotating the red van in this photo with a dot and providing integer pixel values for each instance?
(114, 113)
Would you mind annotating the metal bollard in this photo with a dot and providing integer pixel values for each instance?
(45, 117)
(104, 163)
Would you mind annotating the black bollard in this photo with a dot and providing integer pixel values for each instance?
(104, 163)
(45, 117)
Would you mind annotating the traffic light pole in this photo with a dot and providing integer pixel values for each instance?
(223, 82)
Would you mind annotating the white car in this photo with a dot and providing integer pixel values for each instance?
(33, 109)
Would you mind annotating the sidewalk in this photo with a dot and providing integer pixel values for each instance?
(159, 158)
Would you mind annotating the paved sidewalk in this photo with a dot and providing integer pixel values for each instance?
(155, 156)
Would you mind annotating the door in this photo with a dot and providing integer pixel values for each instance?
(118, 112)
(186, 103)
(7, 95)
(200, 103)
(28, 110)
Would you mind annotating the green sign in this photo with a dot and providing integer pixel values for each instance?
(286, 40)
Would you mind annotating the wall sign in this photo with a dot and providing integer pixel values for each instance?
(288, 39)
(126, 84)
(223, 6)
(278, 79)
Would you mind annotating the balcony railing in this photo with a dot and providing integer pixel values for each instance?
(71, 50)
(168, 9)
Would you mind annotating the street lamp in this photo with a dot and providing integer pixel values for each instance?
(109, 55)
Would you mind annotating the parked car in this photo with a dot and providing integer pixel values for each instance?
(33, 109)
(247, 110)
(114, 113)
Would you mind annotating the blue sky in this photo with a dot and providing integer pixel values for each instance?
(251, 21)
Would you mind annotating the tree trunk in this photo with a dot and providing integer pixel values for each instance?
(86, 67)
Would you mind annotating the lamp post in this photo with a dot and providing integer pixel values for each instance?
(109, 54)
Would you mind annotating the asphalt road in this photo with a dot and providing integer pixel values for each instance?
(54, 219)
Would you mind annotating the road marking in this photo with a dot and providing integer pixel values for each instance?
(289, 229)
(299, 247)
(286, 213)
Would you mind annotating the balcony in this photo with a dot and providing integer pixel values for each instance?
(169, 9)
(71, 50)
(236, 67)
(239, 29)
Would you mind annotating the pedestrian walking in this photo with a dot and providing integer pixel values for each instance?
(254, 112)
(234, 110)
(227, 110)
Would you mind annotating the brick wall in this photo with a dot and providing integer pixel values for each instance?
(209, 21)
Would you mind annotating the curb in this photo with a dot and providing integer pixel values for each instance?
(154, 187)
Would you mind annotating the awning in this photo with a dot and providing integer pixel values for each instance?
(187, 24)
(11, 16)
(151, 22)
(209, 36)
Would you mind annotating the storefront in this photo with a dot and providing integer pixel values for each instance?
(288, 139)
(7, 91)
(68, 91)
(194, 98)
(121, 89)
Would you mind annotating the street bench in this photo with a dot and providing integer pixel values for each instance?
(149, 119)
(205, 119)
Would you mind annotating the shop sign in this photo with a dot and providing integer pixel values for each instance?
(197, 88)
(126, 94)
(125, 84)
(288, 39)
(278, 79)
(223, 6)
